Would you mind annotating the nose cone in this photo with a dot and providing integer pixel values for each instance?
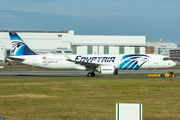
(172, 64)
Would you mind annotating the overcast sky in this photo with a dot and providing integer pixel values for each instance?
(156, 19)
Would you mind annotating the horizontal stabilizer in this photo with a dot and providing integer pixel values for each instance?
(16, 59)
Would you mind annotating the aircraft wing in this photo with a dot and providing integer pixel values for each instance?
(16, 59)
(86, 64)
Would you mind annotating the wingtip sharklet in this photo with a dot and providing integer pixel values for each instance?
(67, 58)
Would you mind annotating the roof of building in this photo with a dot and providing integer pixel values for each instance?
(34, 31)
(159, 43)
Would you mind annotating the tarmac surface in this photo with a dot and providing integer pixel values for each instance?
(77, 73)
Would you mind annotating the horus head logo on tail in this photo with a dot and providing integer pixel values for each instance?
(18, 45)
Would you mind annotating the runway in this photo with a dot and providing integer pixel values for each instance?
(75, 73)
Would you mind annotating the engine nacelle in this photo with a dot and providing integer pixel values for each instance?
(106, 69)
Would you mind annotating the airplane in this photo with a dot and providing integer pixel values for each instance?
(104, 64)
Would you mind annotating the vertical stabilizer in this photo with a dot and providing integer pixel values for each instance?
(18, 45)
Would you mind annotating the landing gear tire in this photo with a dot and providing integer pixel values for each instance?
(91, 74)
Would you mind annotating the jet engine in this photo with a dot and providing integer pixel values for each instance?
(107, 69)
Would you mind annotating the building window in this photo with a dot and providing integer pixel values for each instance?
(121, 49)
(67, 51)
(74, 49)
(137, 50)
(52, 51)
(89, 49)
(59, 35)
(106, 49)
(58, 51)
(8, 53)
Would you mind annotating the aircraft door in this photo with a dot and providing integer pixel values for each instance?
(35, 61)
(156, 59)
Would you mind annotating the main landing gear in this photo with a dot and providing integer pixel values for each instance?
(91, 74)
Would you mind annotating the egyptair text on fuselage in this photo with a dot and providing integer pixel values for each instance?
(95, 59)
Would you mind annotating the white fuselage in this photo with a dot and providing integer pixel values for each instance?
(121, 61)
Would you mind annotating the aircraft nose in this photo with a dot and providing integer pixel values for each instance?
(173, 63)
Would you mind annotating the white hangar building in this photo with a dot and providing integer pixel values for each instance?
(43, 42)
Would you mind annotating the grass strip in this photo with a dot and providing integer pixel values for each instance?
(87, 98)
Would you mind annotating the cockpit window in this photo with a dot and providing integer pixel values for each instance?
(166, 58)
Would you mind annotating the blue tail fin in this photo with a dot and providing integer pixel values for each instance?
(18, 45)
